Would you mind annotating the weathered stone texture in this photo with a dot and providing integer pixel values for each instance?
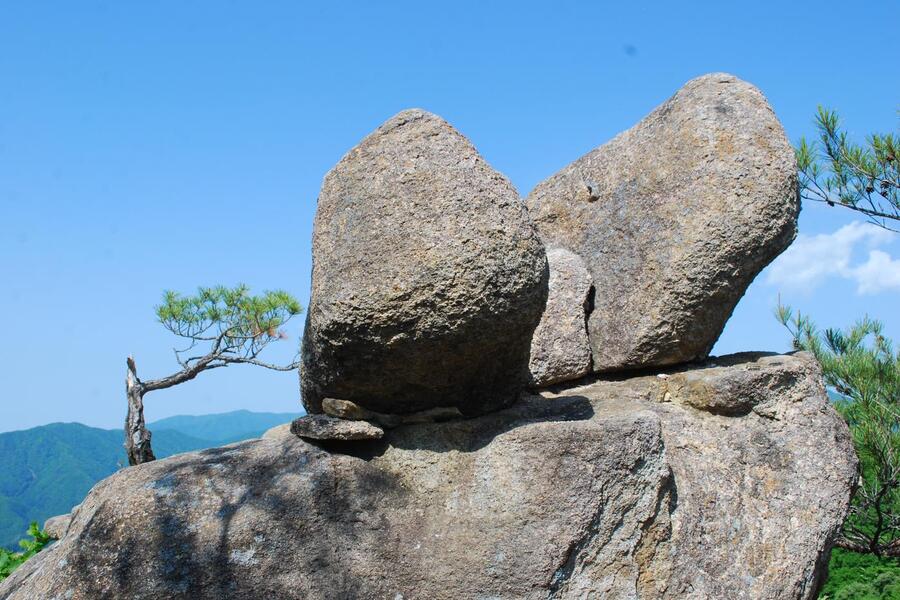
(326, 427)
(57, 526)
(674, 218)
(763, 468)
(615, 489)
(560, 348)
(428, 277)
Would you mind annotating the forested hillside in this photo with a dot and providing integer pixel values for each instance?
(47, 470)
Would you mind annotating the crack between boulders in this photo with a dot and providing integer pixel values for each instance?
(589, 302)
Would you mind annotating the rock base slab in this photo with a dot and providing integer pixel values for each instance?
(616, 489)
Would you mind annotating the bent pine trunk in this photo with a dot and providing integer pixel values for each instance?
(137, 437)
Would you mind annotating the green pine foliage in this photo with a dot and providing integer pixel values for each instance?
(222, 326)
(860, 364)
(10, 561)
(862, 370)
(243, 322)
(856, 576)
(839, 172)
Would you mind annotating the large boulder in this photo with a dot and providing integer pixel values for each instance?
(560, 348)
(763, 469)
(428, 277)
(674, 218)
(633, 488)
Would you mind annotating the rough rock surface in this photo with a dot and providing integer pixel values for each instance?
(279, 431)
(325, 427)
(57, 526)
(616, 489)
(560, 348)
(763, 470)
(424, 263)
(674, 218)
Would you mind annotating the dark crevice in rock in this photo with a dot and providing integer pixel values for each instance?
(589, 302)
(738, 412)
(624, 375)
(709, 362)
(472, 435)
(363, 449)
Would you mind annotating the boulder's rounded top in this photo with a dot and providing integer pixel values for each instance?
(414, 117)
(413, 114)
(717, 77)
(717, 80)
(411, 140)
(729, 101)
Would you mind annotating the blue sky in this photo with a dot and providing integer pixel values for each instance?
(165, 145)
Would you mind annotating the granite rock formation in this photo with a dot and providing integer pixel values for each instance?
(425, 264)
(326, 427)
(630, 488)
(424, 471)
(560, 348)
(674, 218)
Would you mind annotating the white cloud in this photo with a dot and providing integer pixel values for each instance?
(812, 259)
(877, 274)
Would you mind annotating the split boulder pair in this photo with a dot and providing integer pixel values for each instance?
(431, 285)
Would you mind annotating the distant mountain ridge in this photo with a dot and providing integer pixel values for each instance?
(225, 427)
(47, 470)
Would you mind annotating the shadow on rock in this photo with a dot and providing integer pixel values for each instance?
(466, 435)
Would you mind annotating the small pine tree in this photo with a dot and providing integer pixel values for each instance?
(10, 561)
(838, 172)
(231, 326)
(861, 365)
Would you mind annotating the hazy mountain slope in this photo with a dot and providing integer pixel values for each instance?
(45, 471)
(225, 426)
